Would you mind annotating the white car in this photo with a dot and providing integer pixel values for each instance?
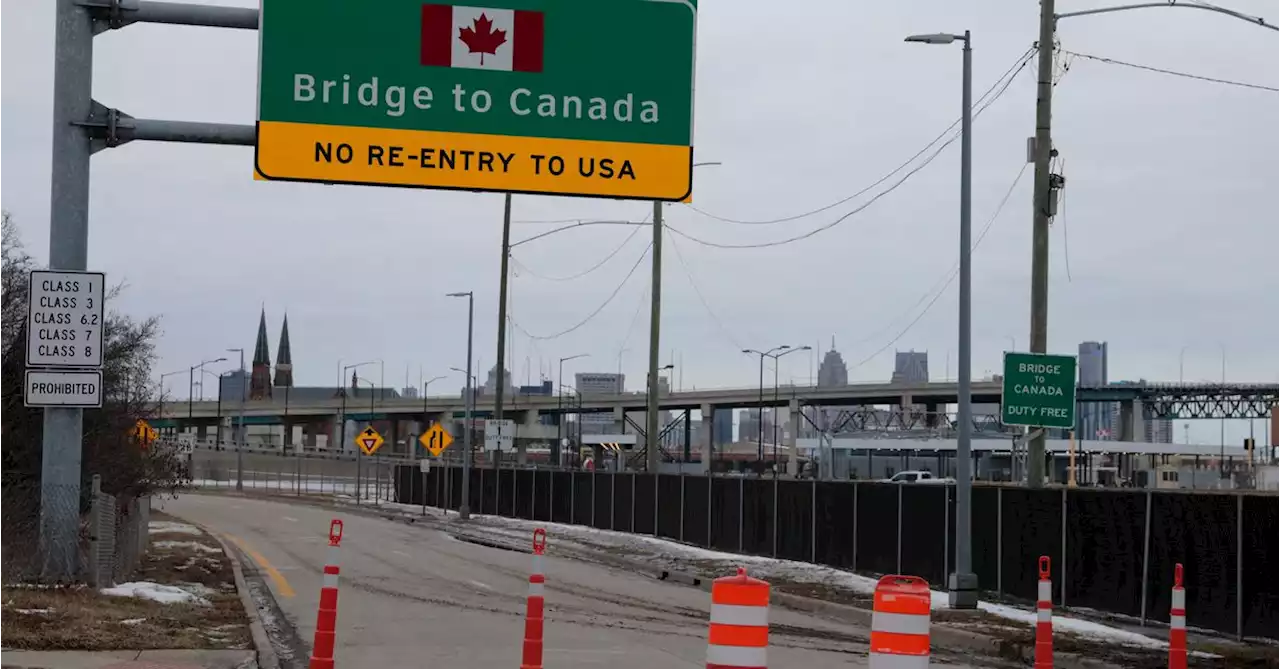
(916, 476)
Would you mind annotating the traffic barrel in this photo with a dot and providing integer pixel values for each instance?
(1178, 622)
(900, 623)
(1044, 617)
(327, 616)
(738, 637)
(532, 655)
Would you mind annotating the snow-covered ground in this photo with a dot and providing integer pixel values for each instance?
(165, 526)
(676, 556)
(165, 594)
(188, 545)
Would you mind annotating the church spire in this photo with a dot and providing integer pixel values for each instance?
(260, 377)
(284, 359)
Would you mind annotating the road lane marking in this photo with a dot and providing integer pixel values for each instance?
(282, 585)
(478, 584)
(289, 518)
(400, 552)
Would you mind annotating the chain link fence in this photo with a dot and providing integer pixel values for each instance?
(108, 544)
(369, 478)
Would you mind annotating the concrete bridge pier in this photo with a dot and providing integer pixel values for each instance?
(524, 417)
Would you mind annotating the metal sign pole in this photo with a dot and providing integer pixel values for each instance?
(68, 250)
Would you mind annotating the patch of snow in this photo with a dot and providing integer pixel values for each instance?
(165, 594)
(189, 545)
(33, 612)
(658, 550)
(133, 621)
(198, 589)
(159, 526)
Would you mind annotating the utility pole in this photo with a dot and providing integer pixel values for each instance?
(502, 308)
(502, 320)
(655, 314)
(1041, 203)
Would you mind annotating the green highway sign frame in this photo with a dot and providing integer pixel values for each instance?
(1039, 390)
(562, 97)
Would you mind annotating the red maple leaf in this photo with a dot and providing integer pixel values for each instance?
(483, 39)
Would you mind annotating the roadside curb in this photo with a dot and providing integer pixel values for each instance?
(261, 642)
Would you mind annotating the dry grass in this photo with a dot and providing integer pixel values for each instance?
(81, 618)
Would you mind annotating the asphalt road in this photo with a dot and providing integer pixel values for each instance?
(414, 596)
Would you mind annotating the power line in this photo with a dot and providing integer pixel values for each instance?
(598, 309)
(1017, 65)
(578, 224)
(702, 298)
(584, 272)
(1175, 73)
(954, 272)
(977, 112)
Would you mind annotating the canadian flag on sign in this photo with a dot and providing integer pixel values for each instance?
(481, 38)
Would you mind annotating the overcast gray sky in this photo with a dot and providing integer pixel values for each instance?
(1170, 210)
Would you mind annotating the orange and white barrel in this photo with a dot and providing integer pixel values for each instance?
(900, 623)
(738, 637)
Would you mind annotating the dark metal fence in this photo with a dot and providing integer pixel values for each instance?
(1113, 550)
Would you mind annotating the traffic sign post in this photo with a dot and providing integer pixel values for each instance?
(563, 97)
(499, 435)
(1039, 390)
(436, 439)
(369, 440)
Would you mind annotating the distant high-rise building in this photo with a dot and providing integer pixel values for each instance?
(409, 392)
(832, 371)
(1094, 420)
(491, 383)
(910, 367)
(722, 427)
(598, 383)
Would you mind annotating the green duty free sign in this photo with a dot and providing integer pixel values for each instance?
(573, 97)
(1039, 390)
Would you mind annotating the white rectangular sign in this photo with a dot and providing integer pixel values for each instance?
(499, 435)
(64, 321)
(50, 388)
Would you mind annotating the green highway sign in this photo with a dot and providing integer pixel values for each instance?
(567, 97)
(1039, 390)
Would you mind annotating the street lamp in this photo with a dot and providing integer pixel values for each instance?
(464, 509)
(963, 592)
(355, 381)
(555, 447)
(760, 407)
(239, 432)
(162, 378)
(191, 381)
(792, 457)
(342, 415)
(425, 385)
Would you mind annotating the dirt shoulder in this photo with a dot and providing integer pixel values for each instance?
(184, 568)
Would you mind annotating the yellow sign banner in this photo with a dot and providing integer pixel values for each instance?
(377, 156)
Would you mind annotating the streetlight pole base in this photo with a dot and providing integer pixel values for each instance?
(962, 591)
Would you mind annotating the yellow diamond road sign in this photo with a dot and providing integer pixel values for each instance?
(369, 440)
(436, 439)
(144, 433)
